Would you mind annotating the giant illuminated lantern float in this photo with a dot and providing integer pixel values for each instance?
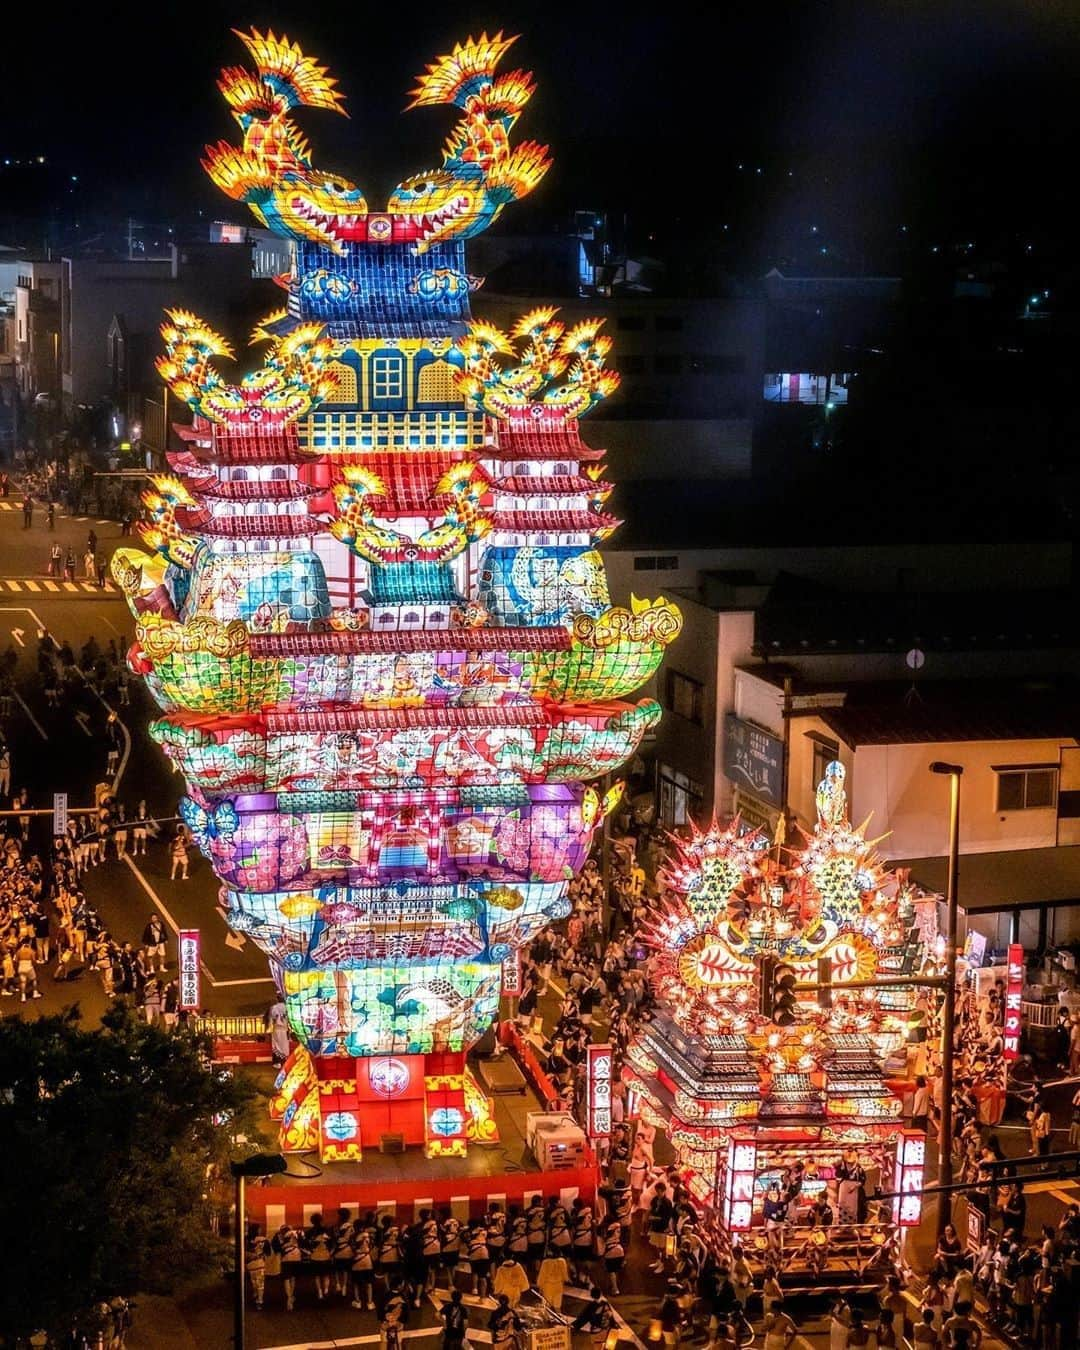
(375, 618)
(756, 1057)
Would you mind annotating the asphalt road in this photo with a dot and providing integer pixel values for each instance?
(64, 749)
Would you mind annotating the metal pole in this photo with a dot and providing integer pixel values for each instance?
(948, 1029)
(238, 1239)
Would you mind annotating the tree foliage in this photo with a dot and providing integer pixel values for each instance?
(108, 1143)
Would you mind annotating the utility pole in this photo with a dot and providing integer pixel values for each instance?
(948, 1026)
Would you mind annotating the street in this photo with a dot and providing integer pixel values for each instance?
(63, 749)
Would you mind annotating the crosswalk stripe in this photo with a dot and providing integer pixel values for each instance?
(6, 506)
(70, 586)
(14, 586)
(49, 586)
(88, 586)
(32, 586)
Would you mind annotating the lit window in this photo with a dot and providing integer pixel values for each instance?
(386, 381)
(1026, 789)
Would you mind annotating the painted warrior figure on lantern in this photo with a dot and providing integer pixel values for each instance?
(759, 1065)
(375, 619)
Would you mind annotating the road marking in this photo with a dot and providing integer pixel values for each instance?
(49, 585)
(6, 506)
(231, 984)
(14, 586)
(26, 709)
(101, 522)
(32, 586)
(87, 586)
(70, 586)
(160, 904)
(84, 724)
(17, 634)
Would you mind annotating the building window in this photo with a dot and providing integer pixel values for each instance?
(679, 796)
(386, 381)
(436, 383)
(684, 696)
(1027, 789)
(668, 323)
(824, 754)
(345, 389)
(651, 562)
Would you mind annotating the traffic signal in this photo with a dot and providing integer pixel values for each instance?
(824, 981)
(776, 991)
(783, 995)
(766, 970)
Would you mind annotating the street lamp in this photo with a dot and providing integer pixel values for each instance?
(945, 1139)
(258, 1165)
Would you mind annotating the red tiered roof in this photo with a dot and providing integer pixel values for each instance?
(534, 443)
(251, 445)
(261, 527)
(563, 483)
(249, 490)
(409, 477)
(557, 522)
(400, 719)
(405, 640)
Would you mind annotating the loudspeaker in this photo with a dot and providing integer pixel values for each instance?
(391, 1143)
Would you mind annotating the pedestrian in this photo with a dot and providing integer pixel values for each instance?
(5, 485)
(27, 511)
(100, 570)
(276, 1021)
(179, 854)
(920, 1104)
(504, 1325)
(170, 1004)
(139, 826)
(614, 1254)
(255, 1262)
(5, 770)
(69, 565)
(1041, 1130)
(596, 1318)
(50, 514)
(151, 1000)
(286, 1242)
(552, 1280)
(91, 541)
(154, 941)
(56, 559)
(363, 1266)
(120, 832)
(511, 1280)
(125, 523)
(88, 563)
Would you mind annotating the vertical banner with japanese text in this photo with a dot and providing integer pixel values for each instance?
(190, 968)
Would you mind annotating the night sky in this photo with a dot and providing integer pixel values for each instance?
(860, 117)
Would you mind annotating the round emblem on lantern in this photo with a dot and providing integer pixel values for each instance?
(446, 1121)
(339, 1126)
(379, 228)
(389, 1076)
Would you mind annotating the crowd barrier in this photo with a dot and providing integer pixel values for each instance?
(467, 1196)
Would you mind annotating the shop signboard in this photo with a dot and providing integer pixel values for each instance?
(754, 759)
(599, 1091)
(1014, 993)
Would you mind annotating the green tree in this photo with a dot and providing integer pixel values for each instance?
(109, 1141)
